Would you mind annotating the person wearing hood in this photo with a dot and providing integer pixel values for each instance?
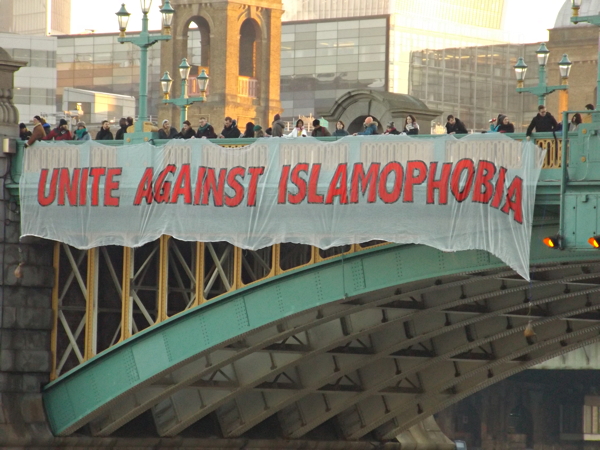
(105, 134)
(249, 131)
(167, 131)
(391, 128)
(230, 129)
(205, 129)
(81, 133)
(258, 132)
(60, 133)
(277, 126)
(38, 133)
(504, 126)
(24, 133)
(46, 126)
(370, 127)
(187, 132)
(122, 129)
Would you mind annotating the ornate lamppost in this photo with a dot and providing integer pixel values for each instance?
(542, 89)
(144, 40)
(183, 102)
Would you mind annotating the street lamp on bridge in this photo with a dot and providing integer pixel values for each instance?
(144, 40)
(542, 89)
(183, 102)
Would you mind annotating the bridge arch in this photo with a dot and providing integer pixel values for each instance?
(399, 331)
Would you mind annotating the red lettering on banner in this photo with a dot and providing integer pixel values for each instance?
(300, 183)
(394, 195)
(43, 199)
(162, 188)
(96, 173)
(339, 185)
(459, 168)
(283, 179)
(144, 190)
(68, 187)
(237, 187)
(313, 181)
(440, 184)
(514, 199)
(182, 186)
(483, 188)
(255, 173)
(361, 182)
(199, 183)
(111, 185)
(211, 185)
(412, 179)
(83, 186)
(499, 190)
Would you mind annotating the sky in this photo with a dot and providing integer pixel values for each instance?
(527, 20)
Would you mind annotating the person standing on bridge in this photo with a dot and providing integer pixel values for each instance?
(167, 131)
(318, 130)
(230, 129)
(455, 126)
(104, 134)
(340, 129)
(370, 127)
(411, 127)
(543, 122)
(277, 126)
(60, 133)
(205, 129)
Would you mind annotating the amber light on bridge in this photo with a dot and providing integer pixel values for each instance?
(553, 242)
(594, 241)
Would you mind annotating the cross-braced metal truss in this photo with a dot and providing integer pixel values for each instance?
(376, 363)
(105, 295)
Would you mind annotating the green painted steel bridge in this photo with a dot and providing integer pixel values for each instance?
(375, 337)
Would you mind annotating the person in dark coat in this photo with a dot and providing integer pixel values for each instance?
(249, 131)
(205, 130)
(505, 126)
(167, 131)
(543, 122)
(187, 132)
(340, 129)
(411, 127)
(122, 129)
(455, 126)
(391, 129)
(105, 134)
(318, 130)
(230, 129)
(24, 133)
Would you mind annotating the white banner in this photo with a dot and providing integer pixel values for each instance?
(474, 193)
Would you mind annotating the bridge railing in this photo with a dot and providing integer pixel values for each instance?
(105, 295)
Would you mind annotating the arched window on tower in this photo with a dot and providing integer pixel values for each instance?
(198, 52)
(249, 57)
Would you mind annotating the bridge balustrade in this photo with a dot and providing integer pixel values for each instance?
(105, 295)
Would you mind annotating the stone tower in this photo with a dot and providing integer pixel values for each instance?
(240, 48)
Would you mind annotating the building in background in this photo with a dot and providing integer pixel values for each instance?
(475, 83)
(35, 84)
(35, 17)
(93, 107)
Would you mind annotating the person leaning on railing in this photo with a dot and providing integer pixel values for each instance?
(543, 122)
(38, 133)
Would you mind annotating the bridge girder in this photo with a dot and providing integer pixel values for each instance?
(376, 360)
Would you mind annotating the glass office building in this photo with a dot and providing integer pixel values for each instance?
(35, 17)
(474, 83)
(35, 84)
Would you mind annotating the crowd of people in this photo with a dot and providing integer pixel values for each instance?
(42, 131)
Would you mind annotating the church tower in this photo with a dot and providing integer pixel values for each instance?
(239, 48)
